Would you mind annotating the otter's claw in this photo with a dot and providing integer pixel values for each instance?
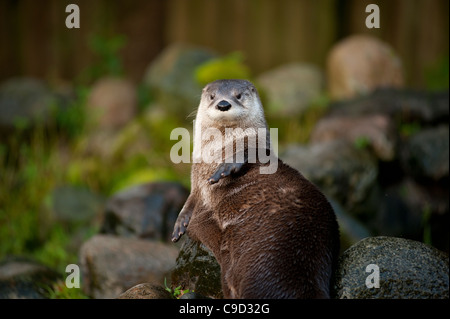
(180, 227)
(224, 170)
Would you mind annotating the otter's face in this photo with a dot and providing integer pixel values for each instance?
(230, 102)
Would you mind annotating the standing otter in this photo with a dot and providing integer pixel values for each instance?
(274, 235)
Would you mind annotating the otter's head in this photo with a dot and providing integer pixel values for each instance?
(230, 103)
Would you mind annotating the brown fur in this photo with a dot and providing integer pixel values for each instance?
(278, 238)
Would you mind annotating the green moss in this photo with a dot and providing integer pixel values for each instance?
(230, 66)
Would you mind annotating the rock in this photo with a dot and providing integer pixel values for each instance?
(134, 139)
(377, 130)
(290, 89)
(111, 265)
(98, 145)
(398, 104)
(171, 77)
(197, 269)
(359, 64)
(75, 205)
(112, 121)
(26, 102)
(146, 291)
(339, 169)
(426, 153)
(145, 211)
(407, 270)
(112, 103)
(22, 278)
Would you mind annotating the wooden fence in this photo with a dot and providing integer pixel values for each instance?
(34, 40)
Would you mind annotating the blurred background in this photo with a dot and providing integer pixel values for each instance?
(35, 41)
(86, 113)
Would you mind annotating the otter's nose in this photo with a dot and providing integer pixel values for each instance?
(223, 106)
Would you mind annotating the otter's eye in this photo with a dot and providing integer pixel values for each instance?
(212, 96)
(239, 96)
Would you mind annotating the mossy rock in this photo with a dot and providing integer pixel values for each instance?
(197, 270)
(407, 270)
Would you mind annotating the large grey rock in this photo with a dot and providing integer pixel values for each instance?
(398, 104)
(171, 77)
(110, 265)
(407, 270)
(359, 64)
(25, 102)
(339, 169)
(426, 153)
(22, 278)
(376, 130)
(290, 89)
(146, 211)
(75, 205)
(197, 269)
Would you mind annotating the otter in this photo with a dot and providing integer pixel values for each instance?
(273, 235)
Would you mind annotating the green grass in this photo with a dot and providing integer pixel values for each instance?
(176, 292)
(59, 290)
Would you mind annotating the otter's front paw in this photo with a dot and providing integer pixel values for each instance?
(224, 170)
(180, 227)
